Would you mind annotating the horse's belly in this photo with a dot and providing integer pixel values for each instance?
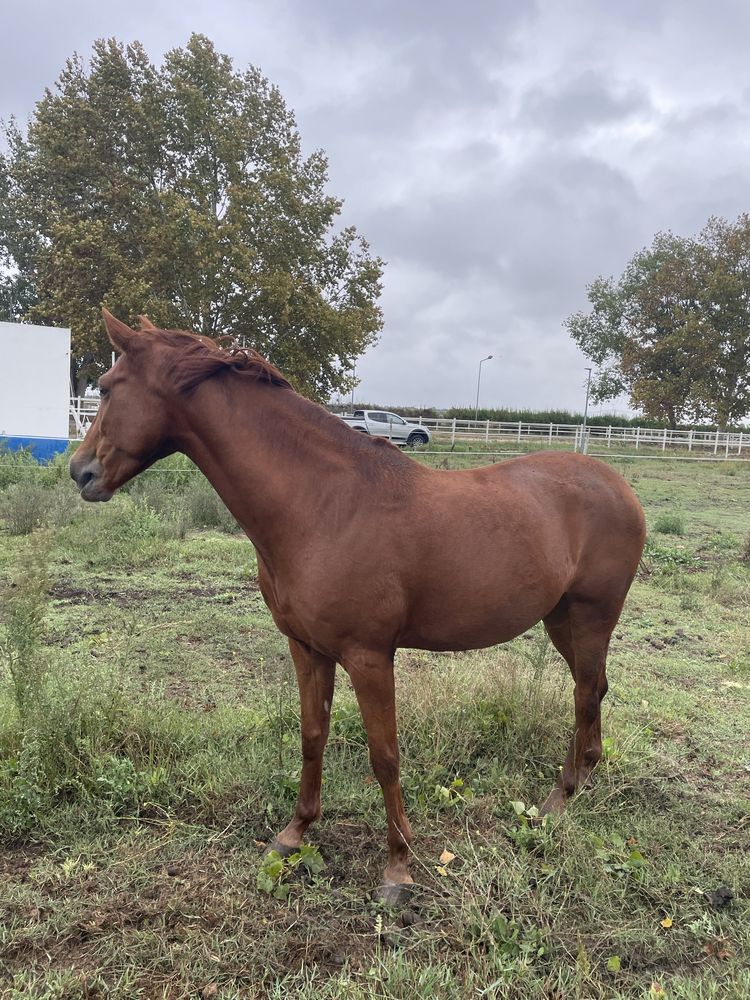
(457, 625)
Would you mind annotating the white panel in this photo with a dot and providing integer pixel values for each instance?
(34, 380)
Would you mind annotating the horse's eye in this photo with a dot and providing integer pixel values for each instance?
(103, 392)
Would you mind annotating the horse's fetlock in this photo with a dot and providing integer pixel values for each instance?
(308, 813)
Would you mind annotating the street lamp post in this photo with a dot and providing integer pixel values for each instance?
(479, 379)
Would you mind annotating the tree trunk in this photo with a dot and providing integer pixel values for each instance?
(722, 417)
(80, 373)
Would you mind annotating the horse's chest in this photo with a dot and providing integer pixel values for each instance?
(280, 600)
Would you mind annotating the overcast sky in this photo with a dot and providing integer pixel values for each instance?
(498, 155)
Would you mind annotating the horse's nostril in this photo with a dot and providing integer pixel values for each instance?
(83, 473)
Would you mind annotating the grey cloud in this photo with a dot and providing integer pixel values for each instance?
(571, 107)
(499, 155)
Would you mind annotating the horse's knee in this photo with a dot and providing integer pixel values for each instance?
(385, 766)
(313, 744)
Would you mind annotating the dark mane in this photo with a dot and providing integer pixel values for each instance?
(200, 358)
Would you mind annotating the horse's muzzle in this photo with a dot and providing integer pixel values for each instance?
(87, 475)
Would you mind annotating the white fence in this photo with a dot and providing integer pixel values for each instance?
(730, 444)
(83, 409)
(715, 442)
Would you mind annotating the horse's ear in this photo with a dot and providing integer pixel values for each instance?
(120, 335)
(145, 323)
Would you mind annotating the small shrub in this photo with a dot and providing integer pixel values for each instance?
(509, 940)
(152, 497)
(151, 492)
(24, 788)
(668, 559)
(27, 506)
(123, 787)
(274, 870)
(689, 602)
(745, 554)
(124, 532)
(727, 587)
(204, 507)
(722, 541)
(18, 467)
(670, 523)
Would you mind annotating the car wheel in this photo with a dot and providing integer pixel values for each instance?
(417, 440)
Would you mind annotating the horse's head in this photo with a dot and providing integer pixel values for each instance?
(132, 427)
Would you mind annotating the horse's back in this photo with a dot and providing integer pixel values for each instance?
(559, 487)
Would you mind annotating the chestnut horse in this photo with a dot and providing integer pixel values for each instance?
(362, 550)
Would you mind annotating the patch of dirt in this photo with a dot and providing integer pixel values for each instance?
(126, 598)
(94, 595)
(200, 900)
(15, 863)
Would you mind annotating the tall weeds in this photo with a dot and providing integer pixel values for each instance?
(25, 606)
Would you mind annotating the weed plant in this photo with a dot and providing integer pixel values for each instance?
(670, 523)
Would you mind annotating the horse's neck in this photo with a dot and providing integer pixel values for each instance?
(270, 455)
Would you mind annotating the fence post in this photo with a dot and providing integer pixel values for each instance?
(550, 434)
(690, 440)
(726, 450)
(637, 436)
(519, 431)
(739, 445)
(487, 431)
(609, 436)
(664, 441)
(716, 441)
(453, 432)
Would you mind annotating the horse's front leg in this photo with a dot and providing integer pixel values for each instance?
(372, 678)
(315, 678)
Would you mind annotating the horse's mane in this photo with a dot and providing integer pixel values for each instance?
(199, 358)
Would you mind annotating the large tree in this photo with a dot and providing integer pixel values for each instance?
(181, 191)
(673, 332)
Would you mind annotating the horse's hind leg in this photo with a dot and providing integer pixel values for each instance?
(581, 631)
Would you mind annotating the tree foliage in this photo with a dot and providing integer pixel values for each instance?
(674, 330)
(181, 191)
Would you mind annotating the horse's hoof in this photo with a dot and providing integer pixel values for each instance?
(283, 850)
(554, 804)
(393, 893)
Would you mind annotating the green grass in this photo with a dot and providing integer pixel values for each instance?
(149, 749)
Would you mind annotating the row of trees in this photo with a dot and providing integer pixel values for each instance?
(673, 332)
(181, 191)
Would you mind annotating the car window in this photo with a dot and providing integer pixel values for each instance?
(394, 418)
(359, 414)
(379, 417)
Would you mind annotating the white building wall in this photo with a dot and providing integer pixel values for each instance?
(34, 381)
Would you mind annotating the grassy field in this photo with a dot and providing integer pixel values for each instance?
(149, 750)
